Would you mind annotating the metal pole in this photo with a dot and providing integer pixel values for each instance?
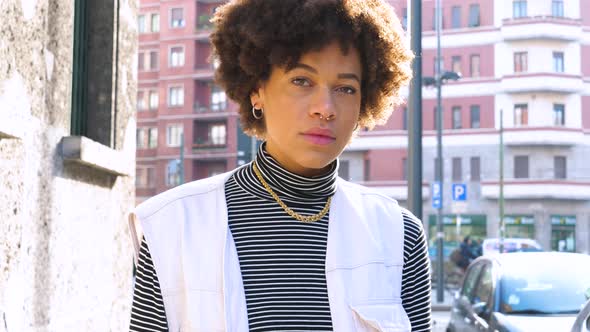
(501, 198)
(439, 169)
(415, 115)
(181, 166)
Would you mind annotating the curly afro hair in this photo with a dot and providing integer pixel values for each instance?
(253, 36)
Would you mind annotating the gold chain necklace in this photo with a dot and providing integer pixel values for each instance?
(312, 218)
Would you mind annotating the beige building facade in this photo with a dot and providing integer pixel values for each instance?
(68, 85)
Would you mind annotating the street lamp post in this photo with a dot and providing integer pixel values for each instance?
(439, 78)
(415, 114)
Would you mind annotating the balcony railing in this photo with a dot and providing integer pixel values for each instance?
(207, 145)
(211, 108)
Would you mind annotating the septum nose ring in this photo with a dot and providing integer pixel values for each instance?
(328, 118)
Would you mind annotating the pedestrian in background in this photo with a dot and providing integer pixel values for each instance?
(282, 243)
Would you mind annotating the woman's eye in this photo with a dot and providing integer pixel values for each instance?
(301, 81)
(347, 90)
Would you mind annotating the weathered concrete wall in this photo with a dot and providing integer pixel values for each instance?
(65, 254)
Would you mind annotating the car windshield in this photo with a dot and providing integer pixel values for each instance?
(545, 288)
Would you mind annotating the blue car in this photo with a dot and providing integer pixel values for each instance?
(523, 291)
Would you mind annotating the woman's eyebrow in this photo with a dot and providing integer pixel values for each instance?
(309, 68)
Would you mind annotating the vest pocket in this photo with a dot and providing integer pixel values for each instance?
(368, 282)
(380, 316)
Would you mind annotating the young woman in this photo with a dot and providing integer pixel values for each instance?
(282, 243)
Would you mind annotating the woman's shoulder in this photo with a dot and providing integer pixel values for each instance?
(178, 194)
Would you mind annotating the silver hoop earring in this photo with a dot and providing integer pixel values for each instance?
(255, 113)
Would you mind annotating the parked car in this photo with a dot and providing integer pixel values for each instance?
(523, 291)
(492, 246)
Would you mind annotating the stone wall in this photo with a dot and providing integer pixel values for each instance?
(65, 254)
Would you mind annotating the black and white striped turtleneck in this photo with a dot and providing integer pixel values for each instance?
(282, 260)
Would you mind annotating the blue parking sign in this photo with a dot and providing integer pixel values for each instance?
(436, 195)
(459, 192)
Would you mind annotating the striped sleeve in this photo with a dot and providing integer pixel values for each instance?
(416, 288)
(147, 311)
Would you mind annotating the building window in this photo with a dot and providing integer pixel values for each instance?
(557, 8)
(140, 178)
(519, 9)
(151, 177)
(176, 18)
(560, 167)
(218, 99)
(474, 116)
(456, 64)
(405, 19)
(176, 56)
(145, 177)
(217, 134)
(558, 114)
(475, 168)
(154, 100)
(153, 138)
(153, 60)
(367, 170)
(558, 66)
(174, 135)
(456, 17)
(474, 65)
(457, 171)
(140, 101)
(155, 22)
(173, 173)
(140, 61)
(521, 167)
(94, 71)
(521, 115)
(140, 138)
(405, 118)
(563, 233)
(175, 96)
(474, 20)
(141, 23)
(520, 62)
(457, 117)
(344, 169)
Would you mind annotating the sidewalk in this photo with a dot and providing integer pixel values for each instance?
(445, 305)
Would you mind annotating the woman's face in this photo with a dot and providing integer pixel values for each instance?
(311, 111)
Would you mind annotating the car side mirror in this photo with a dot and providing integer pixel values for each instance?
(582, 319)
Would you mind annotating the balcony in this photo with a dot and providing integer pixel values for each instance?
(543, 136)
(210, 111)
(537, 189)
(209, 145)
(542, 82)
(541, 27)
(203, 72)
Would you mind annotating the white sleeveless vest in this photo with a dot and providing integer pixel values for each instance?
(197, 265)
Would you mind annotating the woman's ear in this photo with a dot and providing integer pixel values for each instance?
(256, 98)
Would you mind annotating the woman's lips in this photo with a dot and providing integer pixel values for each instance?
(318, 139)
